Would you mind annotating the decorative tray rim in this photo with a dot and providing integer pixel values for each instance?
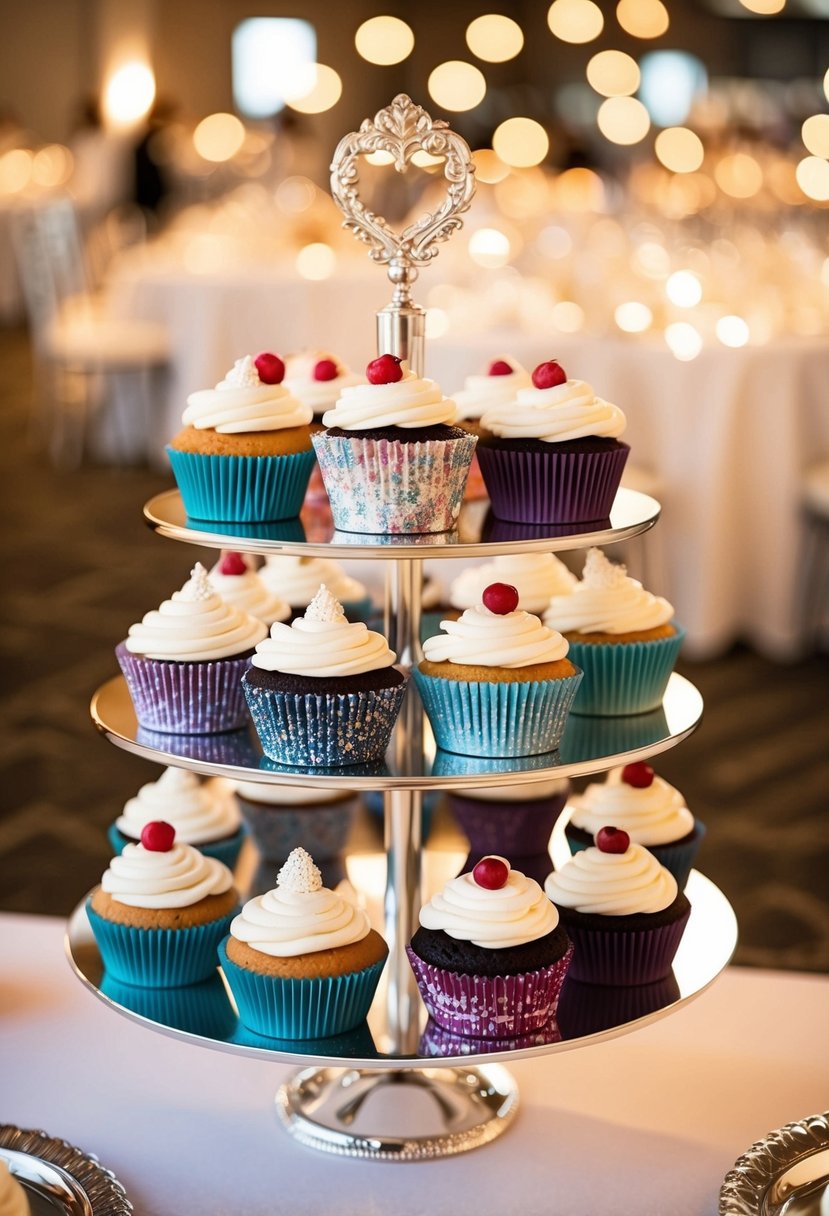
(104, 1193)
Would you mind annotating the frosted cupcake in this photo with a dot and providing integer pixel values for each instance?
(537, 577)
(553, 454)
(497, 682)
(13, 1200)
(323, 690)
(391, 460)
(622, 909)
(184, 662)
(244, 455)
(621, 636)
(490, 955)
(284, 817)
(316, 378)
(161, 910)
(298, 579)
(481, 393)
(238, 583)
(204, 814)
(650, 810)
(301, 961)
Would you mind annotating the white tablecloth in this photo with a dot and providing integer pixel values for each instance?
(644, 1125)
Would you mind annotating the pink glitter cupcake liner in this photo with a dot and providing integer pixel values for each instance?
(552, 487)
(186, 698)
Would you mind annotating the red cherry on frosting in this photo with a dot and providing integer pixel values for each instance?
(612, 840)
(549, 374)
(500, 598)
(491, 873)
(324, 369)
(270, 367)
(638, 774)
(158, 836)
(232, 563)
(499, 367)
(385, 370)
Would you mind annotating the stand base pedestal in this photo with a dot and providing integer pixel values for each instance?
(418, 1114)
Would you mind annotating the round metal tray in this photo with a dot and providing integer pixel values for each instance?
(57, 1177)
(784, 1174)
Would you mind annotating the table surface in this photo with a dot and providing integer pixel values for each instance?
(645, 1124)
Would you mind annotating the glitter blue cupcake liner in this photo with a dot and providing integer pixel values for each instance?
(226, 850)
(300, 1008)
(185, 698)
(242, 489)
(478, 718)
(324, 728)
(321, 829)
(677, 858)
(624, 677)
(158, 958)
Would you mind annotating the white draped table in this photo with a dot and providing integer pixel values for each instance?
(644, 1125)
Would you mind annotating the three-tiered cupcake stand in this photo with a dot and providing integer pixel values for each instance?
(380, 1092)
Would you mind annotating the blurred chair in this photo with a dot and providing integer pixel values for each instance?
(645, 554)
(814, 603)
(87, 364)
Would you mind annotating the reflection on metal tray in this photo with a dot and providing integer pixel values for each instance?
(59, 1178)
(784, 1174)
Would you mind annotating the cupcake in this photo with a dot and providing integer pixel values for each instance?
(282, 817)
(13, 1200)
(537, 577)
(652, 813)
(298, 579)
(238, 583)
(204, 814)
(390, 459)
(184, 662)
(511, 820)
(503, 378)
(316, 378)
(323, 690)
(244, 455)
(301, 961)
(621, 636)
(161, 910)
(496, 682)
(622, 909)
(490, 955)
(553, 454)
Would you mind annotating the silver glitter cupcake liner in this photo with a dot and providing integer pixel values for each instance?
(185, 698)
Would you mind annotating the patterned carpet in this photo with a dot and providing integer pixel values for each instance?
(79, 567)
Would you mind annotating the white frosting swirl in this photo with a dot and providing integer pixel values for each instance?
(178, 878)
(516, 913)
(530, 791)
(300, 915)
(410, 402)
(195, 625)
(199, 811)
(537, 577)
(320, 395)
(250, 594)
(569, 411)
(482, 638)
(298, 579)
(654, 815)
(13, 1199)
(242, 402)
(613, 884)
(285, 796)
(482, 393)
(607, 601)
(323, 643)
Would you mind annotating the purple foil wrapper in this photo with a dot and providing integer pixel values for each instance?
(490, 1007)
(186, 698)
(552, 487)
(625, 956)
(590, 1008)
(435, 1041)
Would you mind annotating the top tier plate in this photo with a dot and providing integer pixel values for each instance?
(477, 533)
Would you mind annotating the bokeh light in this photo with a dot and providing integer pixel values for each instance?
(684, 289)
(295, 194)
(732, 331)
(567, 316)
(316, 261)
(815, 135)
(633, 317)
(489, 168)
(379, 158)
(623, 120)
(826, 84)
(521, 142)
(489, 247)
(643, 18)
(129, 94)
(52, 166)
(15, 170)
(575, 20)
(579, 190)
(384, 40)
(456, 85)
(764, 8)
(684, 341)
(324, 93)
(679, 150)
(437, 322)
(494, 38)
(813, 178)
(613, 74)
(738, 175)
(218, 137)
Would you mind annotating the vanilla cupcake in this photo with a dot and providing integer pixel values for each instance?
(316, 378)
(483, 392)
(183, 663)
(298, 580)
(537, 577)
(301, 961)
(238, 583)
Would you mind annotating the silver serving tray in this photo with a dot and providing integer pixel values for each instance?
(784, 1174)
(60, 1178)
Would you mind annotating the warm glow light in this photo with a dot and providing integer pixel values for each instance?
(567, 317)
(765, 8)
(295, 194)
(580, 190)
(524, 195)
(738, 175)
(732, 331)
(613, 74)
(437, 322)
(128, 94)
(15, 171)
(379, 158)
(813, 178)
(521, 142)
(653, 260)
(218, 137)
(489, 168)
(425, 160)
(270, 61)
(489, 247)
(815, 133)
(683, 340)
(824, 272)
(679, 150)
(826, 84)
(633, 317)
(384, 40)
(494, 38)
(575, 20)
(457, 86)
(52, 166)
(684, 289)
(316, 261)
(623, 120)
(324, 92)
(556, 242)
(643, 18)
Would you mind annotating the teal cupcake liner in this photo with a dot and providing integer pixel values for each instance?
(624, 677)
(158, 958)
(477, 718)
(241, 489)
(226, 850)
(300, 1008)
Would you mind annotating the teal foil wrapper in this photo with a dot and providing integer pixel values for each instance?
(241, 489)
(624, 677)
(158, 958)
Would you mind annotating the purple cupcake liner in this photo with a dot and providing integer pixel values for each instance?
(226, 850)
(589, 1009)
(320, 829)
(624, 956)
(158, 958)
(624, 677)
(241, 489)
(677, 858)
(520, 827)
(384, 486)
(435, 1041)
(186, 698)
(490, 1007)
(551, 487)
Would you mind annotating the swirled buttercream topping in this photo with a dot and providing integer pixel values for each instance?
(199, 811)
(298, 579)
(13, 1200)
(606, 600)
(410, 402)
(242, 402)
(323, 643)
(320, 395)
(179, 878)
(287, 797)
(516, 913)
(613, 884)
(654, 815)
(300, 915)
(537, 577)
(195, 624)
(531, 791)
(482, 638)
(250, 594)
(481, 393)
(554, 415)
